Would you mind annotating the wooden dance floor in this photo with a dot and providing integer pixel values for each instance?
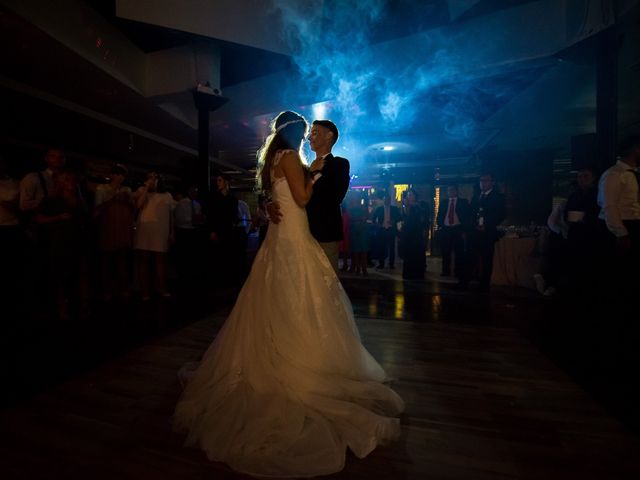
(482, 403)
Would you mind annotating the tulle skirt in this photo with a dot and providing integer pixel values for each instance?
(287, 386)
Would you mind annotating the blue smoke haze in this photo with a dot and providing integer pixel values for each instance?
(377, 92)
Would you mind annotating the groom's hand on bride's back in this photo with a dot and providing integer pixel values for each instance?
(273, 209)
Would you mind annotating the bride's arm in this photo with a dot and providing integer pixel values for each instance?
(292, 168)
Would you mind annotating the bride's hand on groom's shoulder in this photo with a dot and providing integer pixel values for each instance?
(273, 209)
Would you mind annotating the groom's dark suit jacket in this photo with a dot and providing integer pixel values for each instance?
(323, 209)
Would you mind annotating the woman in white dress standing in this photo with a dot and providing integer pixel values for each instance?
(286, 387)
(154, 233)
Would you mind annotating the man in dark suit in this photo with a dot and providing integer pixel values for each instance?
(331, 177)
(453, 221)
(222, 214)
(387, 217)
(488, 211)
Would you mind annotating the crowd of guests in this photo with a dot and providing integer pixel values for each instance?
(62, 243)
(595, 242)
(468, 231)
(594, 233)
(374, 231)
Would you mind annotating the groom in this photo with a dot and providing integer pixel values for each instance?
(331, 175)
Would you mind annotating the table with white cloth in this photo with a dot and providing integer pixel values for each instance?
(517, 259)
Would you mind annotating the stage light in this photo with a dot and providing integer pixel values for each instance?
(319, 111)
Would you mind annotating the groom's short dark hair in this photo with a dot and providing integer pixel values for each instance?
(331, 126)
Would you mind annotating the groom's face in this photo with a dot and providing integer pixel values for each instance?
(320, 137)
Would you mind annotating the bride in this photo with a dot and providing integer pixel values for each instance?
(287, 386)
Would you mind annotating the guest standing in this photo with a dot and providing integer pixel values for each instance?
(488, 211)
(222, 219)
(241, 229)
(154, 233)
(386, 217)
(35, 187)
(358, 236)
(114, 211)
(62, 216)
(453, 224)
(620, 209)
(190, 241)
(345, 243)
(581, 217)
(412, 238)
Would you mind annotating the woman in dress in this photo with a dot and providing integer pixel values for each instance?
(286, 387)
(154, 233)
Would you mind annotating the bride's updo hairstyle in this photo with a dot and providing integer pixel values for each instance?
(288, 130)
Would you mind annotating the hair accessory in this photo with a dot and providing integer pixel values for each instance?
(290, 122)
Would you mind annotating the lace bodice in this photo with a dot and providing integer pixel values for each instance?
(276, 161)
(294, 223)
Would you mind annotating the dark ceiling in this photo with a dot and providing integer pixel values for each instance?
(541, 103)
(238, 63)
(56, 97)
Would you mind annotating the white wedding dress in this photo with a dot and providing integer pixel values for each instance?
(287, 386)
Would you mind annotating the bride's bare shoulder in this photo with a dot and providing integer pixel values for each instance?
(284, 159)
(287, 153)
(289, 157)
(281, 154)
